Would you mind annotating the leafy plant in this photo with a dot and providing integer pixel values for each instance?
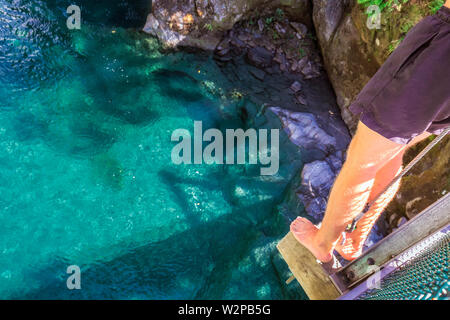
(209, 27)
(435, 5)
(301, 52)
(275, 35)
(406, 27)
(279, 14)
(269, 21)
(394, 44)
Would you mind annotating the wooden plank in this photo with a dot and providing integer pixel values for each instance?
(432, 219)
(308, 272)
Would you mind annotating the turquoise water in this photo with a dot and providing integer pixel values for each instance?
(86, 175)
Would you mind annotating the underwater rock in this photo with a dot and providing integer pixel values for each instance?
(257, 73)
(300, 28)
(304, 130)
(296, 86)
(259, 57)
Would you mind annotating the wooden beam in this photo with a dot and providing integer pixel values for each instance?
(308, 272)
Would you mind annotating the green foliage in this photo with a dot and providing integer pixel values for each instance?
(279, 14)
(209, 27)
(301, 52)
(406, 27)
(269, 21)
(275, 35)
(394, 45)
(435, 5)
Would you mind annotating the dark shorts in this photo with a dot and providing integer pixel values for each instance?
(410, 93)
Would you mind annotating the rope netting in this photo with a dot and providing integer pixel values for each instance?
(425, 276)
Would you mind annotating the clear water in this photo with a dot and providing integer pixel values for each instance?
(85, 171)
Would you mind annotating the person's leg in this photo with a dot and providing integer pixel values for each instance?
(353, 245)
(367, 153)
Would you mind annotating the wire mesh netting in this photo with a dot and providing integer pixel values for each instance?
(423, 277)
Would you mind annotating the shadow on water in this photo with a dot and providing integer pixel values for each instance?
(175, 83)
(27, 127)
(194, 264)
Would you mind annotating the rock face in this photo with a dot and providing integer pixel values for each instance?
(324, 147)
(427, 182)
(201, 23)
(317, 180)
(352, 54)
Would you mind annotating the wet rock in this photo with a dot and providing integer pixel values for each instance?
(225, 58)
(300, 28)
(257, 73)
(296, 86)
(303, 130)
(294, 66)
(302, 62)
(310, 71)
(244, 37)
(317, 180)
(301, 99)
(335, 161)
(223, 48)
(279, 29)
(261, 25)
(237, 42)
(151, 25)
(279, 57)
(259, 57)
